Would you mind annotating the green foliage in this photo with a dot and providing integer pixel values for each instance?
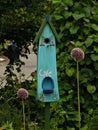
(11, 108)
(20, 19)
(91, 88)
(77, 28)
(93, 125)
(7, 126)
(76, 24)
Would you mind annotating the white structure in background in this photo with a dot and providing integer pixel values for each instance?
(27, 69)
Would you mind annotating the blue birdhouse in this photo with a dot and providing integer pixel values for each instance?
(47, 82)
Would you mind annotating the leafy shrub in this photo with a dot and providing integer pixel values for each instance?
(76, 24)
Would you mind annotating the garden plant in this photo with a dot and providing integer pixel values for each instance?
(76, 25)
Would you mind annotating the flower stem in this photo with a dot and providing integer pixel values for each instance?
(78, 91)
(23, 110)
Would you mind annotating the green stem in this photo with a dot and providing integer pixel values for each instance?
(23, 109)
(78, 94)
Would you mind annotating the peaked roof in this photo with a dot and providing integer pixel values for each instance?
(45, 21)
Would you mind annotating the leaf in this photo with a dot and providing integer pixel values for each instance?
(94, 37)
(58, 17)
(68, 24)
(70, 71)
(72, 116)
(94, 26)
(85, 75)
(70, 128)
(78, 43)
(31, 93)
(55, 1)
(86, 20)
(96, 66)
(88, 42)
(78, 16)
(60, 35)
(67, 14)
(96, 49)
(87, 11)
(67, 86)
(84, 127)
(62, 28)
(86, 31)
(74, 29)
(68, 2)
(91, 88)
(94, 57)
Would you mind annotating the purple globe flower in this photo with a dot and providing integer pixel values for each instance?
(77, 54)
(22, 93)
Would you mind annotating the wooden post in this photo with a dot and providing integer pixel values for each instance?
(47, 116)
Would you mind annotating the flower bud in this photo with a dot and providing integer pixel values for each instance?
(22, 93)
(77, 54)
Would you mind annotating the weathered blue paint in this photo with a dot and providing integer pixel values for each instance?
(47, 82)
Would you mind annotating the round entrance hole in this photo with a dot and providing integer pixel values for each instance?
(47, 40)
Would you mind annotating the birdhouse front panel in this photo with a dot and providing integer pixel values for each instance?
(47, 83)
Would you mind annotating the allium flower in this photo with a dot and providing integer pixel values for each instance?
(77, 54)
(22, 93)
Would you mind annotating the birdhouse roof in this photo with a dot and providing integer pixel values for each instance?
(45, 21)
